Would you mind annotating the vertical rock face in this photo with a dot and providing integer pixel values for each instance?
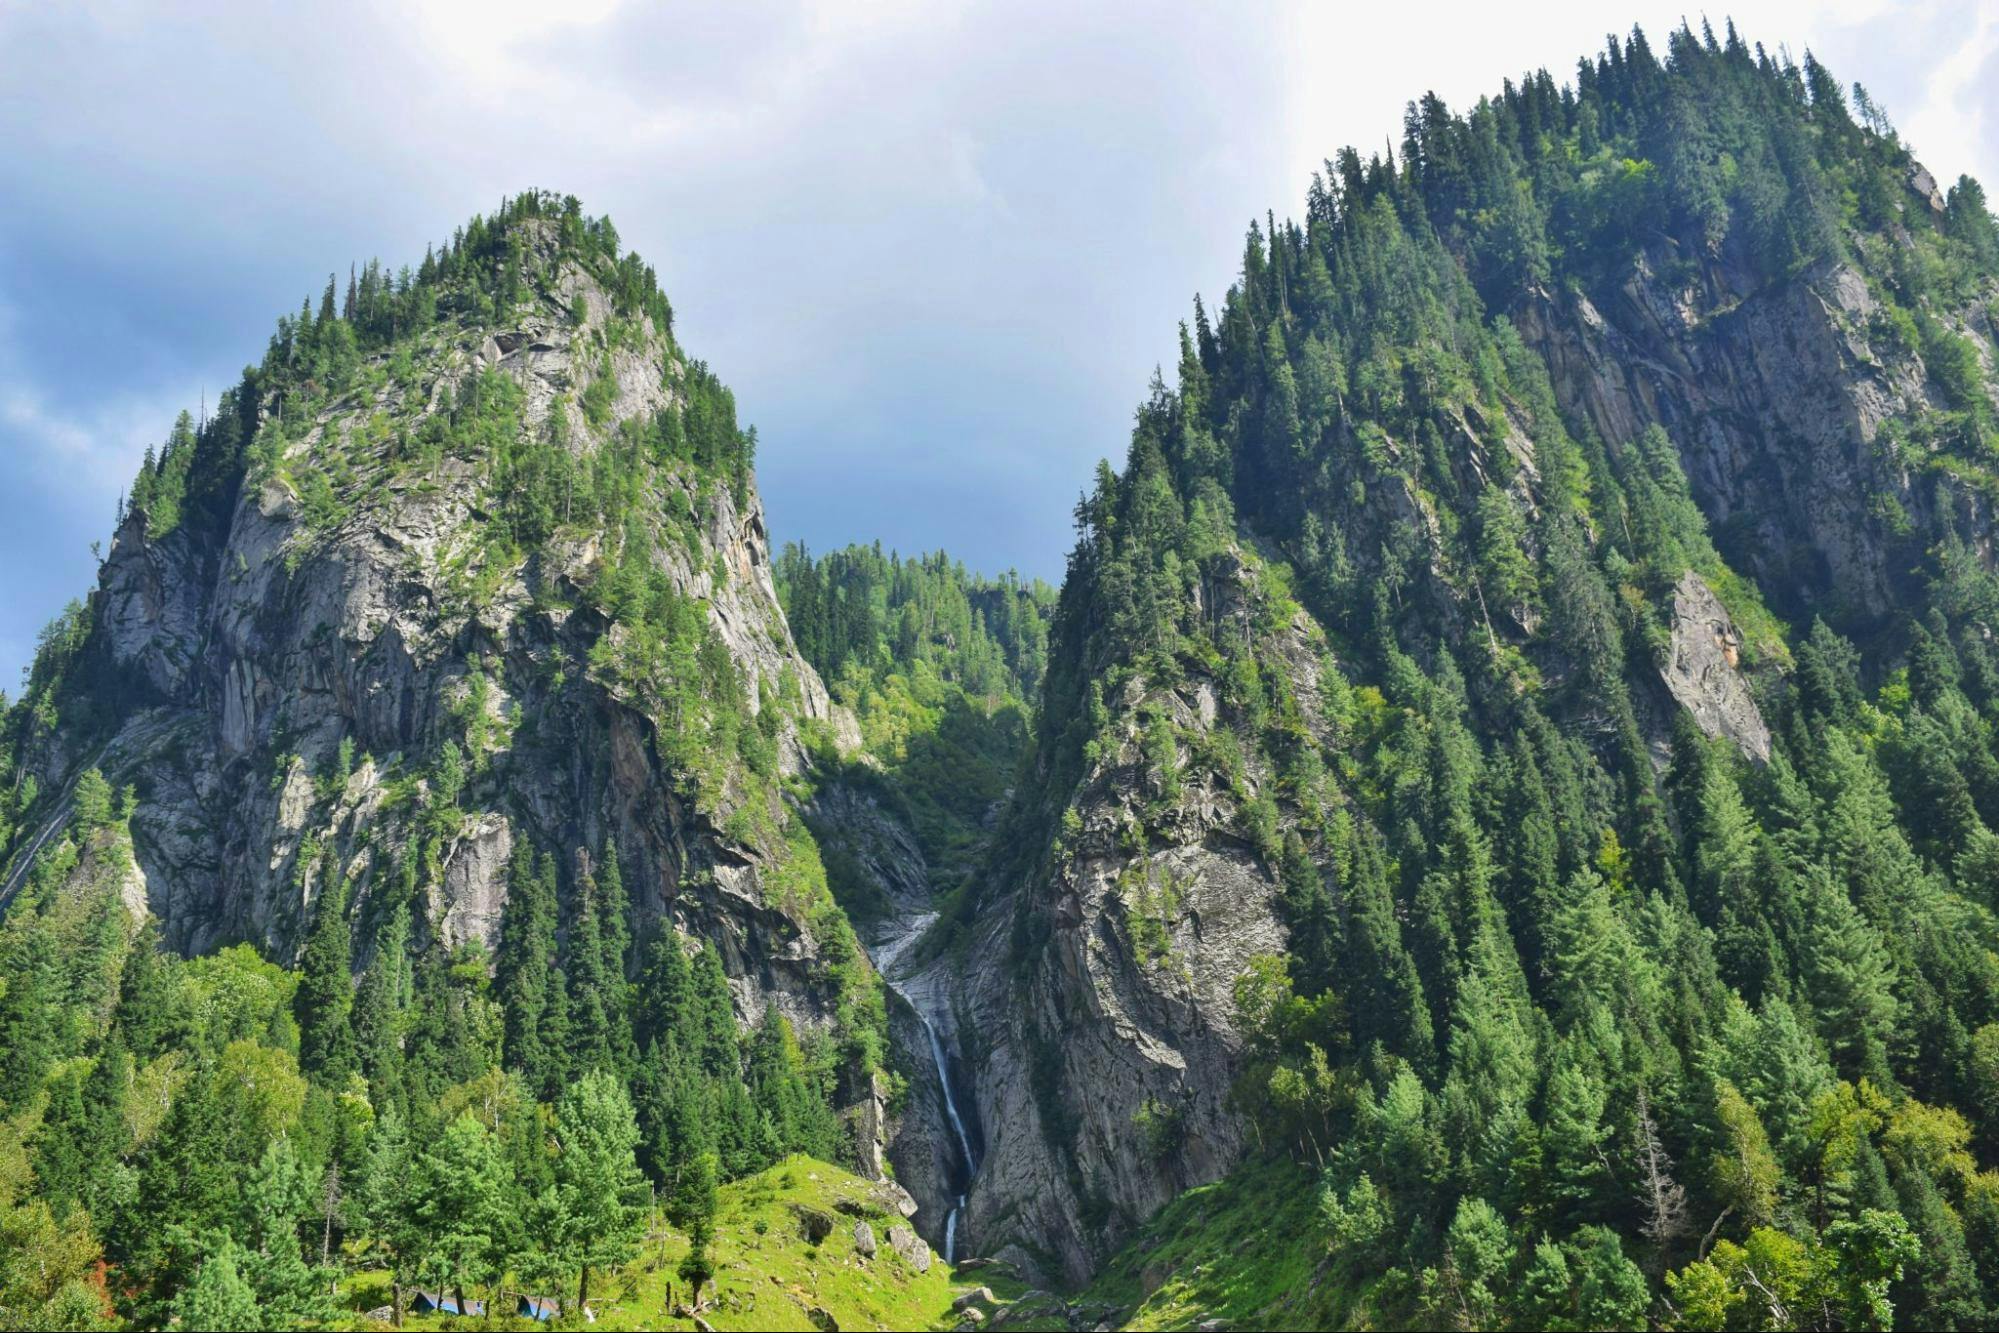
(1777, 393)
(1103, 1053)
(154, 605)
(919, 1142)
(1702, 669)
(297, 672)
(1121, 1031)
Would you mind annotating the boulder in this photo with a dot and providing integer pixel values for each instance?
(893, 1198)
(912, 1248)
(976, 1296)
(816, 1224)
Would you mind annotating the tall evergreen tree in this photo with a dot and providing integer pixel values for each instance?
(599, 1193)
(325, 998)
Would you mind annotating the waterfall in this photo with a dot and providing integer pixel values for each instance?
(967, 1158)
(919, 992)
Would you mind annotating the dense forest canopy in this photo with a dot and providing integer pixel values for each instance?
(1587, 1019)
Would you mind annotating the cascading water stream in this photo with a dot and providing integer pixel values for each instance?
(888, 959)
(968, 1159)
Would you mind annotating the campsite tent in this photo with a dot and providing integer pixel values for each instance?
(428, 1301)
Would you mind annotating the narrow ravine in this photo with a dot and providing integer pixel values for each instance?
(920, 990)
(968, 1159)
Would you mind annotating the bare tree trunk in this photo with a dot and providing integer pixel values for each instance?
(330, 1201)
(1779, 1316)
(1708, 1239)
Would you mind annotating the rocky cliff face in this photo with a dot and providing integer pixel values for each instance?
(301, 670)
(1099, 1017)
(917, 1141)
(1784, 396)
(1703, 669)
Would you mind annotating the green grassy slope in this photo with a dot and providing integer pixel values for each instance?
(1246, 1250)
(768, 1275)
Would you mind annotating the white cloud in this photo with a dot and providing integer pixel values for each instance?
(935, 249)
(1953, 128)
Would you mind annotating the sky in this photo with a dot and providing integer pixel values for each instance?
(936, 250)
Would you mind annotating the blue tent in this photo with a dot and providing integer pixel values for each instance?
(427, 1301)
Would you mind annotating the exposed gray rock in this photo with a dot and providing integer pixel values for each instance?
(1924, 187)
(474, 896)
(1775, 394)
(910, 1247)
(1130, 1001)
(883, 850)
(1703, 669)
(891, 1197)
(864, 1240)
(153, 604)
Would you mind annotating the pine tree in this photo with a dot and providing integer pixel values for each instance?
(188, 1187)
(1574, 1163)
(145, 991)
(712, 1026)
(94, 801)
(390, 1208)
(1506, 574)
(1852, 981)
(106, 1140)
(664, 1004)
(220, 1298)
(614, 918)
(1308, 910)
(325, 997)
(380, 1007)
(27, 1005)
(1724, 842)
(695, 1204)
(1465, 1292)
(526, 955)
(64, 1160)
(599, 1189)
(466, 1211)
(1487, 1093)
(589, 1045)
(1387, 1005)
(277, 1195)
